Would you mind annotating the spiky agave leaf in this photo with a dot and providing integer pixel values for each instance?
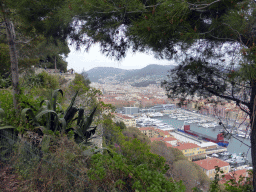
(6, 127)
(80, 118)
(48, 104)
(71, 111)
(92, 130)
(88, 122)
(54, 98)
(71, 104)
(30, 112)
(63, 124)
(50, 114)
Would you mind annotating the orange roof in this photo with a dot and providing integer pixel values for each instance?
(122, 116)
(156, 139)
(234, 175)
(169, 139)
(166, 132)
(186, 146)
(146, 128)
(162, 131)
(210, 163)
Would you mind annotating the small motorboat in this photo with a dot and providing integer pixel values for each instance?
(215, 155)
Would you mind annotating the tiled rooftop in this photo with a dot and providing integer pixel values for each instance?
(234, 175)
(146, 128)
(210, 163)
(170, 139)
(184, 146)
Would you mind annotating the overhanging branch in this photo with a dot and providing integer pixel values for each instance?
(243, 109)
(229, 98)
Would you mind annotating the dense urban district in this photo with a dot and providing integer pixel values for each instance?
(139, 107)
(126, 95)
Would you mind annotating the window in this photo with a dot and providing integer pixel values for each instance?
(197, 149)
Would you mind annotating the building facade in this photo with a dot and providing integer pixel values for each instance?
(208, 166)
(130, 110)
(192, 151)
(128, 121)
(149, 131)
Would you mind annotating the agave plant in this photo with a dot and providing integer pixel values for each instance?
(83, 131)
(49, 118)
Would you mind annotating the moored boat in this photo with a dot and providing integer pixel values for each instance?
(220, 138)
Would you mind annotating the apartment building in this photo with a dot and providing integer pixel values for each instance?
(208, 166)
(128, 121)
(191, 150)
(171, 140)
(149, 131)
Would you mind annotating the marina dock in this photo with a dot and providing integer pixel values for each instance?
(218, 150)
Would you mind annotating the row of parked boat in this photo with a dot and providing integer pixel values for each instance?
(157, 114)
(145, 121)
(231, 158)
(238, 132)
(193, 118)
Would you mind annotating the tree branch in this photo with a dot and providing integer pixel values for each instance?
(243, 109)
(228, 97)
(231, 133)
(199, 6)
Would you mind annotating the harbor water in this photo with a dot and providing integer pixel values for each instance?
(235, 146)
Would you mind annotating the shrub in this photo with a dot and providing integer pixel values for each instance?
(63, 168)
(41, 80)
(49, 81)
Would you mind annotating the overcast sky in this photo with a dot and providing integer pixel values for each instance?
(79, 60)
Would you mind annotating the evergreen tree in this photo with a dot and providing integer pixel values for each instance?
(37, 19)
(200, 35)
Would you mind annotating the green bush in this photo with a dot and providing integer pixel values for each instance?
(80, 84)
(5, 81)
(41, 80)
(49, 81)
(114, 172)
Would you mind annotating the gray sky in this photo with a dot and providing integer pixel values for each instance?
(79, 60)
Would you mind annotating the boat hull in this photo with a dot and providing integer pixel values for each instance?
(205, 137)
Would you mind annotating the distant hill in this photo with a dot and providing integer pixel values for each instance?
(102, 72)
(150, 74)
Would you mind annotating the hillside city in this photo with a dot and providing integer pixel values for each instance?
(137, 107)
(128, 96)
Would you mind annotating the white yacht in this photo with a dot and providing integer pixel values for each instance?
(240, 160)
(173, 116)
(215, 155)
(158, 114)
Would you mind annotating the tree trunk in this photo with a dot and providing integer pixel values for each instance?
(253, 130)
(14, 60)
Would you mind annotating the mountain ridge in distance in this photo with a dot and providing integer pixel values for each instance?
(151, 74)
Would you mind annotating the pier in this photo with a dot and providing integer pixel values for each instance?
(186, 138)
(217, 150)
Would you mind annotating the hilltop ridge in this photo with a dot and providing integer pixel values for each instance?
(151, 74)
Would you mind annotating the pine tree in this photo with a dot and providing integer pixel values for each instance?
(199, 34)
